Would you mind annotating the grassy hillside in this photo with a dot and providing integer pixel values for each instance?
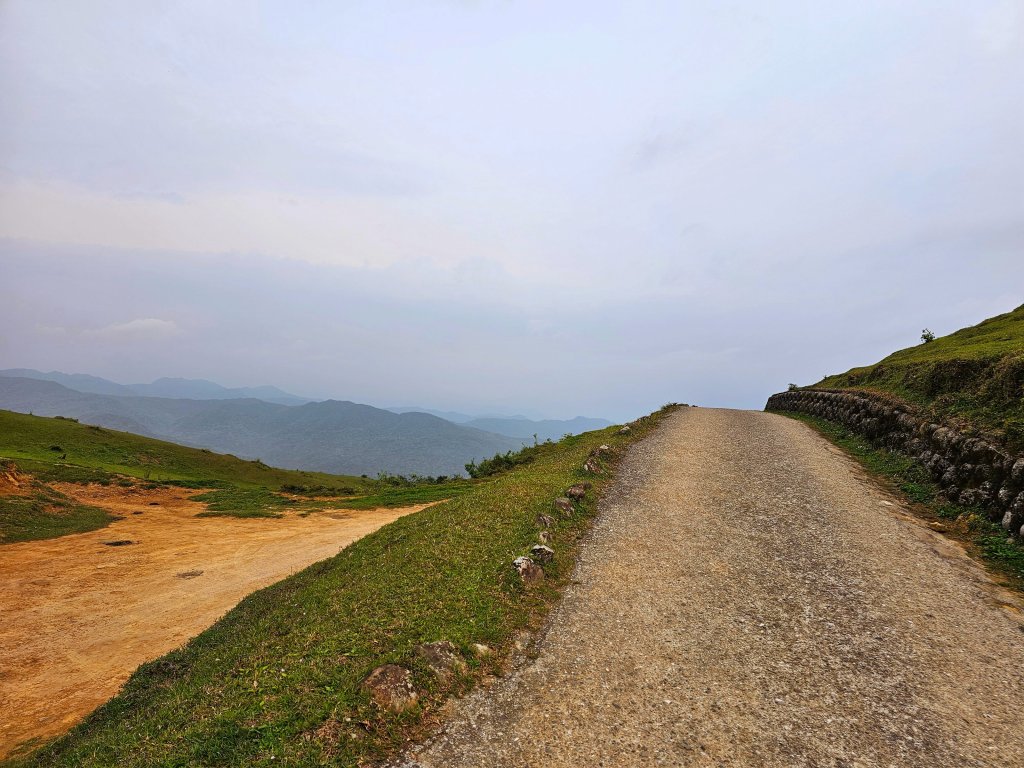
(975, 375)
(36, 451)
(277, 680)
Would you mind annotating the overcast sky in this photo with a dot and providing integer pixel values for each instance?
(552, 208)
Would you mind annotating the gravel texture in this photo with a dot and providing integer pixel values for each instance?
(748, 598)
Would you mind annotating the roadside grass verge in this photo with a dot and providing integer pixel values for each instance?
(970, 525)
(277, 680)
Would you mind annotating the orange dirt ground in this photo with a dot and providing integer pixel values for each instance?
(77, 616)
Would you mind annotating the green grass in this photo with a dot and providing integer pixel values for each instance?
(905, 475)
(407, 496)
(93, 454)
(277, 680)
(41, 512)
(974, 376)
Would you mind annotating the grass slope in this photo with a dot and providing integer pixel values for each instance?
(41, 450)
(36, 440)
(975, 375)
(277, 680)
(36, 511)
(905, 475)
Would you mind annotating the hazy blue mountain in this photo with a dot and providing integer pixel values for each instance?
(453, 416)
(201, 389)
(196, 389)
(546, 429)
(79, 382)
(329, 436)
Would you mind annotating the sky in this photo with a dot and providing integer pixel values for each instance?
(523, 207)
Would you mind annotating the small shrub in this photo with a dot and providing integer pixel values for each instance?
(502, 462)
(927, 336)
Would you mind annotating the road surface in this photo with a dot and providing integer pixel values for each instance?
(749, 598)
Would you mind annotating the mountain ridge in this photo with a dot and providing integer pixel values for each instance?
(328, 436)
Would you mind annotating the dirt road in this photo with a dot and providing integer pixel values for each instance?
(749, 598)
(78, 616)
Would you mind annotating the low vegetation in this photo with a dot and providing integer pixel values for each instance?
(277, 680)
(905, 475)
(974, 376)
(31, 510)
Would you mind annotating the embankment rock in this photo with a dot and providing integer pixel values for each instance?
(971, 470)
(390, 687)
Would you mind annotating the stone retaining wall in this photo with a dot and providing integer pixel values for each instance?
(971, 470)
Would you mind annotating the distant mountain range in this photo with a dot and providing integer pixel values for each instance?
(328, 436)
(516, 426)
(280, 428)
(194, 389)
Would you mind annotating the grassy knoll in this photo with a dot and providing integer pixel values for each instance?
(277, 680)
(56, 449)
(36, 511)
(975, 375)
(906, 476)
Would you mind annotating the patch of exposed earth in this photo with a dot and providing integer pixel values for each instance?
(81, 612)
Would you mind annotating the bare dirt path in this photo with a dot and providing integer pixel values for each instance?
(77, 617)
(749, 598)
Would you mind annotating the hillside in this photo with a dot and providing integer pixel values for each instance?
(37, 452)
(975, 375)
(90, 451)
(330, 436)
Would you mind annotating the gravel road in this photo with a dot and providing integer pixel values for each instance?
(748, 598)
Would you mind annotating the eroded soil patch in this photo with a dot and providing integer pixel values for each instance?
(78, 616)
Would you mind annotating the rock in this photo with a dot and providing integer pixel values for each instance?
(625, 430)
(481, 651)
(529, 571)
(545, 521)
(1005, 497)
(601, 450)
(564, 505)
(545, 537)
(1017, 472)
(541, 553)
(592, 465)
(390, 687)
(1014, 517)
(577, 491)
(443, 659)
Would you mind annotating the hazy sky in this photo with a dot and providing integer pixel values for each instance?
(556, 208)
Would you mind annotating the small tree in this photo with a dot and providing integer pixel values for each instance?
(792, 386)
(927, 336)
